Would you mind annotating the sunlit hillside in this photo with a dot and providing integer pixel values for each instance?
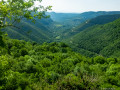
(59, 45)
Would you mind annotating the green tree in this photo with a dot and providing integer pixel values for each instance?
(23, 51)
(99, 59)
(12, 11)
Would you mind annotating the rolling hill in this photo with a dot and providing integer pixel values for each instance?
(100, 39)
(59, 26)
(61, 17)
(54, 66)
(68, 25)
(39, 31)
(74, 19)
(99, 20)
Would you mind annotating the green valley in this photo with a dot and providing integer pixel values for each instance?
(100, 39)
(66, 51)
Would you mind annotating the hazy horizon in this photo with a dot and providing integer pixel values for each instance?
(82, 12)
(79, 6)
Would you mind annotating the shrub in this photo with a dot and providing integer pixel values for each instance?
(99, 59)
(23, 52)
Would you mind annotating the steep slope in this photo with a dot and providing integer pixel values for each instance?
(89, 15)
(67, 27)
(38, 31)
(100, 20)
(103, 19)
(100, 39)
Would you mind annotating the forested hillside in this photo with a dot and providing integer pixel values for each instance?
(72, 25)
(53, 66)
(61, 17)
(100, 39)
(74, 19)
(99, 20)
(51, 29)
(26, 30)
(30, 59)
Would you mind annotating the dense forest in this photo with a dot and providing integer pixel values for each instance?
(54, 66)
(101, 39)
(66, 51)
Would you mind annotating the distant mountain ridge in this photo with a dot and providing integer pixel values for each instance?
(75, 19)
(61, 17)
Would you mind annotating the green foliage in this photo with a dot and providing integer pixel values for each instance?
(71, 24)
(99, 59)
(14, 11)
(54, 66)
(16, 19)
(36, 32)
(71, 82)
(51, 77)
(1, 41)
(23, 52)
(25, 65)
(98, 39)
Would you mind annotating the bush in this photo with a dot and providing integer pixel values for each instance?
(63, 45)
(53, 49)
(71, 82)
(99, 59)
(23, 52)
(51, 77)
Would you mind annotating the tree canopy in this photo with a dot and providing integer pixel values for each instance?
(12, 11)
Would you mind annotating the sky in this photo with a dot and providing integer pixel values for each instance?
(78, 6)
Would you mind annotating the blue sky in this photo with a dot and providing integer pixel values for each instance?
(82, 5)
